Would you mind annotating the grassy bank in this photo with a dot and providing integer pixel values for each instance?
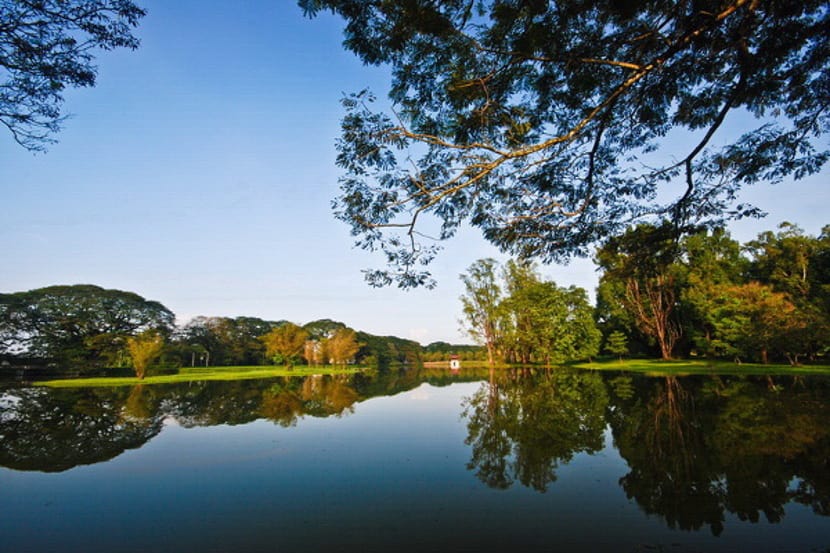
(200, 373)
(659, 367)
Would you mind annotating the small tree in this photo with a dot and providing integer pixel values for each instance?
(286, 341)
(617, 344)
(144, 349)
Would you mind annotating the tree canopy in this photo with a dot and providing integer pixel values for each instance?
(553, 125)
(47, 45)
(79, 324)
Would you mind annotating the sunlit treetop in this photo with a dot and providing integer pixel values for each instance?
(553, 125)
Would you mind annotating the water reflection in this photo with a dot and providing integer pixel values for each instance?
(53, 430)
(522, 426)
(696, 448)
(694, 451)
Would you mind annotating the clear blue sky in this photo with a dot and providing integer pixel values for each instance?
(200, 169)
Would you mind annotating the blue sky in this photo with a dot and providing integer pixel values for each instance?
(200, 169)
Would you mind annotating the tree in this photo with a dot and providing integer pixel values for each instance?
(617, 344)
(47, 45)
(480, 304)
(81, 324)
(227, 341)
(793, 264)
(532, 320)
(342, 346)
(756, 319)
(314, 351)
(547, 323)
(144, 349)
(713, 265)
(285, 342)
(545, 124)
(641, 265)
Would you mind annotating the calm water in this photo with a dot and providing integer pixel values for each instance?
(530, 461)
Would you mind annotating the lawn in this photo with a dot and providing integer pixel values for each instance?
(201, 373)
(659, 367)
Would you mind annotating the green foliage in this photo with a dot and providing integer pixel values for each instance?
(387, 352)
(48, 45)
(224, 341)
(80, 325)
(480, 304)
(533, 321)
(771, 305)
(617, 344)
(144, 349)
(545, 124)
(642, 280)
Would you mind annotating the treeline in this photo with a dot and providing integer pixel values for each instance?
(702, 295)
(89, 327)
(708, 295)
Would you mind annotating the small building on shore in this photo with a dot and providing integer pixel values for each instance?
(455, 362)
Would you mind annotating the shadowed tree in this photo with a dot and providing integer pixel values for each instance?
(640, 270)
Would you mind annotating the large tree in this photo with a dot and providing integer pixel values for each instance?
(81, 324)
(552, 125)
(642, 281)
(47, 45)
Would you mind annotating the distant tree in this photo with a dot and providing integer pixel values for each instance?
(480, 304)
(551, 125)
(322, 328)
(617, 344)
(342, 346)
(314, 352)
(82, 325)
(285, 342)
(144, 349)
(47, 45)
(386, 352)
(227, 341)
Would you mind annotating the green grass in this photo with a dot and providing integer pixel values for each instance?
(200, 373)
(659, 367)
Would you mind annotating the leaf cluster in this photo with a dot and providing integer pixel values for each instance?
(550, 126)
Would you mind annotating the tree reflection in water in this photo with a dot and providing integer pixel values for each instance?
(698, 448)
(523, 424)
(53, 430)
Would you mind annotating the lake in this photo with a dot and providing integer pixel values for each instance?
(529, 460)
